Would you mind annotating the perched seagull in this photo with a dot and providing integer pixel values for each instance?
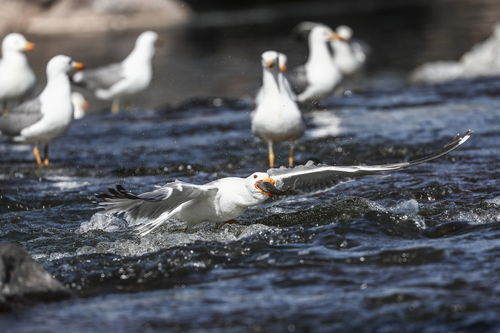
(276, 117)
(17, 79)
(46, 117)
(128, 77)
(320, 75)
(225, 199)
(80, 105)
(349, 54)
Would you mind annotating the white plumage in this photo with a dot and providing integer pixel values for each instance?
(349, 55)
(320, 75)
(17, 79)
(129, 77)
(46, 117)
(276, 117)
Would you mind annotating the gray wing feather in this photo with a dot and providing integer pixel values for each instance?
(309, 177)
(151, 205)
(20, 117)
(298, 79)
(99, 78)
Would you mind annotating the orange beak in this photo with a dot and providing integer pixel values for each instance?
(269, 180)
(269, 64)
(29, 46)
(78, 66)
(336, 36)
(283, 68)
(85, 105)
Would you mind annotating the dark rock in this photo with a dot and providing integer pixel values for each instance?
(23, 281)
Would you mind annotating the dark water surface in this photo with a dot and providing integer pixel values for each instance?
(416, 250)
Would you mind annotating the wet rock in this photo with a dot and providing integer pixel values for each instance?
(93, 16)
(482, 60)
(23, 281)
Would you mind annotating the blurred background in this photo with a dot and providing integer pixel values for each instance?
(212, 48)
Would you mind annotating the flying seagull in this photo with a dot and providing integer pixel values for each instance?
(319, 76)
(126, 78)
(17, 79)
(276, 117)
(46, 117)
(225, 199)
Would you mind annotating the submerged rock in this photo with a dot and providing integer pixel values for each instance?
(482, 60)
(24, 281)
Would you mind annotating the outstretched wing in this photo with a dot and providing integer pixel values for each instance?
(309, 177)
(20, 117)
(153, 208)
(99, 78)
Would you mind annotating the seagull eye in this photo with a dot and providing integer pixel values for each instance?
(254, 176)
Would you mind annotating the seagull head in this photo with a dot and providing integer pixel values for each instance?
(282, 60)
(270, 61)
(258, 184)
(344, 33)
(322, 34)
(15, 42)
(61, 64)
(146, 40)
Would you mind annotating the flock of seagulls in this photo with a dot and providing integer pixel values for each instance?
(41, 120)
(277, 117)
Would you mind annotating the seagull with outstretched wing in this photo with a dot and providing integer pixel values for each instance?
(225, 199)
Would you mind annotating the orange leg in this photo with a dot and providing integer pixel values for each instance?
(270, 153)
(46, 155)
(38, 159)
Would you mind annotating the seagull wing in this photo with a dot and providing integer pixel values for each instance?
(155, 207)
(298, 79)
(99, 78)
(20, 117)
(309, 177)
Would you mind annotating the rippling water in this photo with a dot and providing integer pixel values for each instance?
(414, 250)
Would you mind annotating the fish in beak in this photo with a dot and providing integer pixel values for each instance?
(268, 187)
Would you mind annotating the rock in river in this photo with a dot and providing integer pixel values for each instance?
(23, 281)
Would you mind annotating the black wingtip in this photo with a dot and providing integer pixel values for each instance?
(118, 192)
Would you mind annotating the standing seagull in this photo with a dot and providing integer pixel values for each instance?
(17, 79)
(349, 54)
(128, 77)
(225, 199)
(319, 76)
(46, 117)
(276, 117)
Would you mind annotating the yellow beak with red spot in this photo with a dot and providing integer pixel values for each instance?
(268, 180)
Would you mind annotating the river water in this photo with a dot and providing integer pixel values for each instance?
(415, 250)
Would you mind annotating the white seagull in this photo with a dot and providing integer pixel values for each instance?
(320, 75)
(349, 54)
(17, 79)
(128, 77)
(276, 117)
(80, 105)
(46, 117)
(225, 199)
